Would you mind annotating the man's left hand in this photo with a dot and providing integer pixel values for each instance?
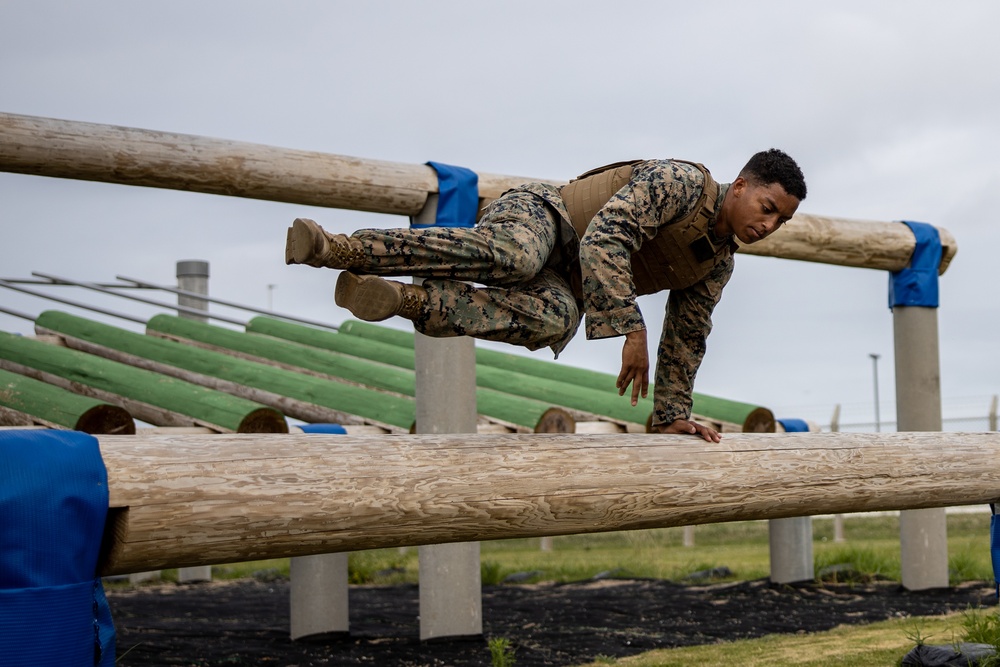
(689, 427)
(635, 366)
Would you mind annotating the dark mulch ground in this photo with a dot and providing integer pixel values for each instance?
(245, 622)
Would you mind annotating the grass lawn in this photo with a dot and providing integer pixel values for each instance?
(871, 547)
(846, 646)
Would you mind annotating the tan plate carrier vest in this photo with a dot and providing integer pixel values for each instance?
(680, 255)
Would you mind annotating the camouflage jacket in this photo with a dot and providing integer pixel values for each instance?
(660, 192)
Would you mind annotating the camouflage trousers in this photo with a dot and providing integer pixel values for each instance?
(513, 252)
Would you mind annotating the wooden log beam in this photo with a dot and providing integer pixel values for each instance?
(145, 395)
(130, 156)
(25, 400)
(866, 244)
(195, 500)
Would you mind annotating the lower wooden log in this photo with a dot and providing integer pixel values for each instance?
(196, 500)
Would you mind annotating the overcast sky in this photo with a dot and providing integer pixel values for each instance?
(890, 108)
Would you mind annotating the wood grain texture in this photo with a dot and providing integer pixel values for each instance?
(130, 156)
(865, 244)
(113, 154)
(198, 500)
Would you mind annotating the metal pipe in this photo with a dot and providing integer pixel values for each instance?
(230, 304)
(69, 302)
(161, 304)
(17, 313)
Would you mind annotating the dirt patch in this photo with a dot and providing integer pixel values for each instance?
(245, 622)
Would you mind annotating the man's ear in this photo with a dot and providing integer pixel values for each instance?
(739, 186)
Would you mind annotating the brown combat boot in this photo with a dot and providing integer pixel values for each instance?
(374, 299)
(307, 243)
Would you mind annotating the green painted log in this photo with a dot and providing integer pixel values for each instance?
(539, 388)
(349, 362)
(79, 369)
(358, 346)
(235, 373)
(753, 418)
(51, 405)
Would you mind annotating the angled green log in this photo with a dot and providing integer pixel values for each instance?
(358, 346)
(53, 406)
(294, 393)
(150, 396)
(753, 418)
(346, 363)
(546, 390)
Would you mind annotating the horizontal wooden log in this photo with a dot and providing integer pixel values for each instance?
(130, 156)
(522, 414)
(113, 154)
(45, 404)
(296, 395)
(859, 243)
(579, 388)
(148, 396)
(196, 500)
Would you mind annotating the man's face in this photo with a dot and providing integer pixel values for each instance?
(752, 212)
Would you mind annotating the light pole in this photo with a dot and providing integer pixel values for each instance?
(270, 296)
(878, 421)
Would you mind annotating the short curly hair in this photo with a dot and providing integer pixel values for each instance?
(775, 166)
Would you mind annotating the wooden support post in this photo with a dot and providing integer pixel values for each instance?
(791, 549)
(318, 598)
(923, 533)
(192, 276)
(451, 603)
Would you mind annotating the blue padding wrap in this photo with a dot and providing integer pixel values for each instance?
(917, 284)
(323, 428)
(458, 197)
(53, 503)
(794, 425)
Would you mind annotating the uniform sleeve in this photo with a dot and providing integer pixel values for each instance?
(660, 192)
(686, 326)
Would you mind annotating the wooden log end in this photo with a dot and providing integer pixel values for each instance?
(760, 420)
(555, 420)
(113, 542)
(263, 420)
(106, 419)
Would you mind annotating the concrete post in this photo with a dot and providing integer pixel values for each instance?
(192, 276)
(791, 549)
(923, 534)
(318, 598)
(451, 600)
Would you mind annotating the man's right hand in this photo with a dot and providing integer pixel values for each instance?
(635, 366)
(689, 427)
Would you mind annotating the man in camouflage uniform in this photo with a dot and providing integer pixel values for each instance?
(538, 272)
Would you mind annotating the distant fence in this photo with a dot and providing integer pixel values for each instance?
(974, 423)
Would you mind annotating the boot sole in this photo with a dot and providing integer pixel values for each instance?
(301, 241)
(369, 298)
